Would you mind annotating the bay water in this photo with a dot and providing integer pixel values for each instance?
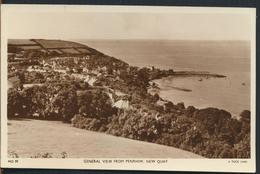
(229, 58)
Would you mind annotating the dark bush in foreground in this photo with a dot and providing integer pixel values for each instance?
(59, 101)
(209, 132)
(95, 104)
(49, 101)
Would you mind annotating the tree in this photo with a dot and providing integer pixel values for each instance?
(143, 76)
(15, 102)
(66, 103)
(245, 123)
(156, 97)
(243, 147)
(95, 104)
(21, 76)
(245, 116)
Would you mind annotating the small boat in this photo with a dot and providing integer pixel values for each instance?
(244, 84)
(200, 79)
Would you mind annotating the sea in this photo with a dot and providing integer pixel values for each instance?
(229, 58)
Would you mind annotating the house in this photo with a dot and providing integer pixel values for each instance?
(162, 103)
(103, 69)
(75, 70)
(122, 104)
(68, 69)
(35, 68)
(95, 72)
(19, 58)
(87, 57)
(90, 80)
(54, 64)
(85, 70)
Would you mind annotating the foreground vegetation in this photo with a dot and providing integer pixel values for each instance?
(209, 132)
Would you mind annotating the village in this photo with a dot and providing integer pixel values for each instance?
(79, 71)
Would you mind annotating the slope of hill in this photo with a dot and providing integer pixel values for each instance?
(78, 143)
(48, 44)
(57, 47)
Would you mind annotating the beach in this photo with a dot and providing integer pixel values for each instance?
(225, 93)
(229, 58)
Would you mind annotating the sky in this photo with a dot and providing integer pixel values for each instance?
(73, 22)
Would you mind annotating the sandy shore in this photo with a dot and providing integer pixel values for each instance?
(28, 137)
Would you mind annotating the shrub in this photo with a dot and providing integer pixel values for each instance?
(15, 103)
(95, 104)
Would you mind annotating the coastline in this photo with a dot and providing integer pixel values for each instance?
(226, 93)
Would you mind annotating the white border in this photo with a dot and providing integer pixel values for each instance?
(220, 165)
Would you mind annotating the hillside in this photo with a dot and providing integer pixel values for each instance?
(48, 47)
(78, 143)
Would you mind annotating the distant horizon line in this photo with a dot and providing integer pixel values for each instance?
(214, 40)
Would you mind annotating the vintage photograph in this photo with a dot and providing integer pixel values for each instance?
(151, 83)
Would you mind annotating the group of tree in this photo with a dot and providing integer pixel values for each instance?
(209, 132)
(58, 101)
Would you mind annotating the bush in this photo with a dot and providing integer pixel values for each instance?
(86, 123)
(66, 103)
(15, 103)
(95, 104)
(243, 147)
(50, 101)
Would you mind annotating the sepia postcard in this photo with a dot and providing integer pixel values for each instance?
(128, 88)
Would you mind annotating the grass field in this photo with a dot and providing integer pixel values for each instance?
(27, 138)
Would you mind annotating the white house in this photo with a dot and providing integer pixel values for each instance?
(122, 104)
